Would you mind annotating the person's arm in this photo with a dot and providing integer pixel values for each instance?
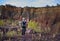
(26, 24)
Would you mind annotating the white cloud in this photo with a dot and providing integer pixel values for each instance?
(40, 3)
(36, 3)
(15, 2)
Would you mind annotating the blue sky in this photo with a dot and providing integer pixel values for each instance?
(33, 3)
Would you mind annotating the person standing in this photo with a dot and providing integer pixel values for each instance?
(24, 25)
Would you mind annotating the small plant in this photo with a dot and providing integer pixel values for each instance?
(47, 30)
(1, 35)
(11, 34)
(34, 25)
(19, 32)
(1, 22)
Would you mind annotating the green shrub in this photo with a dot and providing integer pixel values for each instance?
(11, 34)
(1, 22)
(19, 33)
(34, 25)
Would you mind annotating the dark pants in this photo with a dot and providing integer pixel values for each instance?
(23, 30)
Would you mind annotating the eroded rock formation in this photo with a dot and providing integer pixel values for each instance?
(46, 16)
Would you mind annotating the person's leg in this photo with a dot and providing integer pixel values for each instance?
(23, 31)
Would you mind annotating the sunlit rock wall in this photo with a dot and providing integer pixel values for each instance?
(46, 16)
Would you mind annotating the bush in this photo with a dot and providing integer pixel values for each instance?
(1, 22)
(11, 34)
(34, 25)
(19, 33)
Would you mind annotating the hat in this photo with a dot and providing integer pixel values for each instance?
(23, 18)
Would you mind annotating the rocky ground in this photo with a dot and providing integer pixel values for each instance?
(31, 36)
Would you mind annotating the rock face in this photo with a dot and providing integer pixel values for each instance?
(46, 16)
(9, 11)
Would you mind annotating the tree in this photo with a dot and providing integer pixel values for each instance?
(58, 4)
(47, 6)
